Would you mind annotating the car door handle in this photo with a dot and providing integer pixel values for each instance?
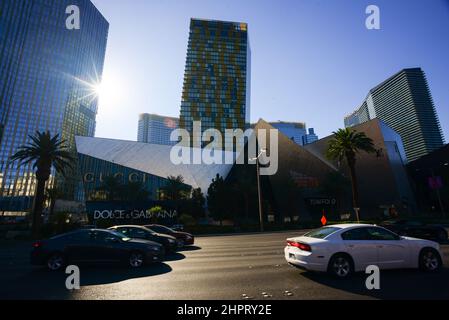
(351, 246)
(379, 246)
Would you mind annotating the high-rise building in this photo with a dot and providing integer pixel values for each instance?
(47, 77)
(405, 104)
(296, 131)
(156, 129)
(311, 137)
(217, 78)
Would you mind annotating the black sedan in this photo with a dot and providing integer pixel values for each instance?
(138, 232)
(97, 246)
(183, 238)
(416, 229)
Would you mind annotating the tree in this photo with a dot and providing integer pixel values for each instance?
(344, 146)
(51, 195)
(246, 186)
(43, 152)
(111, 187)
(175, 189)
(135, 191)
(218, 198)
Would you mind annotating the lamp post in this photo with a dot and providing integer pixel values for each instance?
(262, 151)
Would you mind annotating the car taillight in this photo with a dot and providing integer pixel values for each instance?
(299, 245)
(37, 244)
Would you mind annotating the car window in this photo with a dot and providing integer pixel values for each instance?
(356, 234)
(321, 233)
(124, 231)
(137, 233)
(381, 234)
(414, 223)
(102, 236)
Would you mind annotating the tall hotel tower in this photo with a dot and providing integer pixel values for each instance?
(47, 74)
(217, 78)
(405, 104)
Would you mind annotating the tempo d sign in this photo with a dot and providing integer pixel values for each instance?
(132, 214)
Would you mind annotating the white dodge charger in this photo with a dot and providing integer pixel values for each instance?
(347, 248)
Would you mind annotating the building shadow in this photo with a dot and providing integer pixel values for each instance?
(98, 275)
(41, 284)
(404, 284)
(189, 248)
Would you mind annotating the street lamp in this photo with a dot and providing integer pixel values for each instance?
(262, 151)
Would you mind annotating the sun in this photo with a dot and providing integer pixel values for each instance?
(109, 90)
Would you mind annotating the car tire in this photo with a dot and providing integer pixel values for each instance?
(341, 266)
(56, 261)
(136, 259)
(430, 260)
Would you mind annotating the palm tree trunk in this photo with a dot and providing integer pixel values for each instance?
(38, 206)
(355, 190)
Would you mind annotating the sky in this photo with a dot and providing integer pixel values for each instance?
(312, 61)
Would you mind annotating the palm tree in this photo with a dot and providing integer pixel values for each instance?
(51, 195)
(44, 152)
(176, 189)
(111, 187)
(345, 146)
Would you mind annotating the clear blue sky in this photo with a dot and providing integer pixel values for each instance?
(312, 60)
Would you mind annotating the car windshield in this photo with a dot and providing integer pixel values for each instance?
(122, 236)
(321, 233)
(161, 229)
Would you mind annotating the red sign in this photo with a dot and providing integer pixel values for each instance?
(323, 220)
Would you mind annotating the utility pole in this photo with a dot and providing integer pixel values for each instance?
(262, 151)
(259, 195)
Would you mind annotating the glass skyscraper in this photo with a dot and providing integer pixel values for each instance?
(296, 131)
(156, 129)
(405, 104)
(47, 74)
(217, 78)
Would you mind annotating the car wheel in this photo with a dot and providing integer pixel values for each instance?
(430, 260)
(55, 262)
(341, 266)
(136, 260)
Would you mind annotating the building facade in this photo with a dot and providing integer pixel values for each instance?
(404, 103)
(296, 131)
(217, 79)
(156, 129)
(430, 180)
(47, 75)
(382, 177)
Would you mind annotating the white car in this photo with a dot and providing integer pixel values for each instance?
(347, 248)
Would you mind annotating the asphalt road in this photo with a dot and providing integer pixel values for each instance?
(221, 267)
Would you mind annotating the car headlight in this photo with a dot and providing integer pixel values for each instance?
(154, 248)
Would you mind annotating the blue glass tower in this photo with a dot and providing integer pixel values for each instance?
(47, 74)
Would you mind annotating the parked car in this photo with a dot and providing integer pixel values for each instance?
(95, 245)
(138, 232)
(347, 248)
(416, 229)
(184, 238)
